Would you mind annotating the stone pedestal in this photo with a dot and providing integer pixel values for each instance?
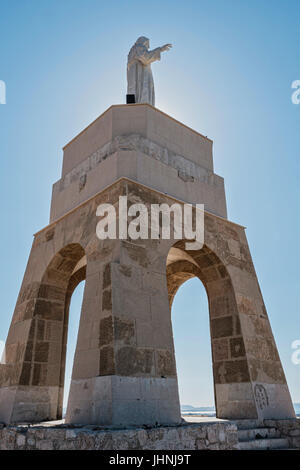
(124, 368)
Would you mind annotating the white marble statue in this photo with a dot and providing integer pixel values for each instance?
(139, 74)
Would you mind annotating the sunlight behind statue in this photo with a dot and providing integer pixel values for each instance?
(139, 73)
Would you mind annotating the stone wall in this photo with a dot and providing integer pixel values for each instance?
(289, 428)
(210, 436)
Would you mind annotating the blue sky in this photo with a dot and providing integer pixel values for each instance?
(228, 76)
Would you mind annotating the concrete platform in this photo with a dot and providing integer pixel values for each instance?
(204, 419)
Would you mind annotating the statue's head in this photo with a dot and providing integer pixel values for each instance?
(143, 41)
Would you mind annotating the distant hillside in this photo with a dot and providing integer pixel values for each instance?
(196, 408)
(191, 408)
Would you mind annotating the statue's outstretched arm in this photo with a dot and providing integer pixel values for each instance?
(166, 47)
(151, 56)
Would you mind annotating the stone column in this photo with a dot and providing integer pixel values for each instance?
(269, 386)
(124, 370)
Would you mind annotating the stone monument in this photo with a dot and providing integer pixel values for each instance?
(139, 74)
(124, 369)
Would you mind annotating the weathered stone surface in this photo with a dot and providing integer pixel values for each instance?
(222, 327)
(237, 347)
(124, 330)
(107, 361)
(41, 351)
(25, 374)
(106, 300)
(207, 436)
(289, 428)
(165, 363)
(106, 331)
(132, 361)
(107, 276)
(220, 349)
(231, 372)
(49, 310)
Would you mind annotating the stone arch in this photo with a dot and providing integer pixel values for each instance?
(45, 353)
(230, 364)
(78, 275)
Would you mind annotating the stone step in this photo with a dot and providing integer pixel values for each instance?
(257, 433)
(264, 444)
(246, 423)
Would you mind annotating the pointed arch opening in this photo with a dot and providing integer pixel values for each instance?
(190, 324)
(227, 345)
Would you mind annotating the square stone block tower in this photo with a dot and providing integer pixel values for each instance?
(124, 369)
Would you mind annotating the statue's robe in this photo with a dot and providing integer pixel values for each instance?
(139, 73)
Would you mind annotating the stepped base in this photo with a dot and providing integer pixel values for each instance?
(58, 436)
(265, 444)
(255, 435)
(203, 434)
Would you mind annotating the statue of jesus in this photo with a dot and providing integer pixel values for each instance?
(139, 74)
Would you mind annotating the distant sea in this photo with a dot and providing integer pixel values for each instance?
(208, 411)
(297, 409)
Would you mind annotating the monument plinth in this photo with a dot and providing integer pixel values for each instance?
(124, 368)
(141, 143)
